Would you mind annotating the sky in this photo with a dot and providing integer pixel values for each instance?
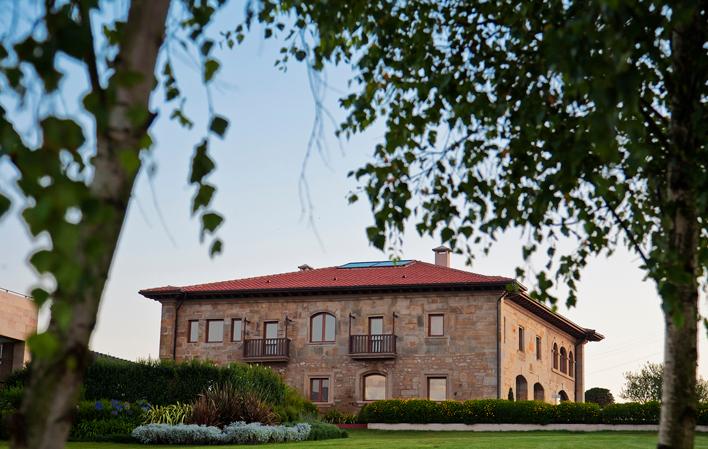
(267, 229)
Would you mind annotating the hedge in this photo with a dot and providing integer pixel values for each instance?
(497, 411)
(167, 382)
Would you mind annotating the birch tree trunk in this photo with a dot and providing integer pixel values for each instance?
(45, 417)
(679, 399)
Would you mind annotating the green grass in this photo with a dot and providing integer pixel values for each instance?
(376, 439)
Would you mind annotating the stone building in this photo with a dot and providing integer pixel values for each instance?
(364, 331)
(18, 320)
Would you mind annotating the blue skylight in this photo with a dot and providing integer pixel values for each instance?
(378, 264)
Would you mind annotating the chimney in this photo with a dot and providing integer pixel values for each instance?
(304, 267)
(442, 256)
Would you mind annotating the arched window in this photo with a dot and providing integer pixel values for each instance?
(563, 396)
(571, 364)
(522, 388)
(564, 361)
(539, 393)
(555, 356)
(374, 387)
(322, 327)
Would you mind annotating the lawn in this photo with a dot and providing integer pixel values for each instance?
(377, 439)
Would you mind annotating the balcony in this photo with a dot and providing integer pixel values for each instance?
(372, 346)
(266, 349)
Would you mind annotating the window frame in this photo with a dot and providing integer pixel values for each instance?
(189, 331)
(430, 327)
(363, 386)
(320, 381)
(539, 346)
(376, 317)
(555, 354)
(233, 328)
(324, 327)
(207, 340)
(522, 339)
(444, 378)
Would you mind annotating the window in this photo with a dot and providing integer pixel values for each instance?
(215, 331)
(437, 388)
(193, 331)
(571, 364)
(555, 356)
(319, 389)
(322, 327)
(436, 325)
(236, 329)
(521, 339)
(270, 329)
(564, 361)
(538, 348)
(374, 387)
(375, 325)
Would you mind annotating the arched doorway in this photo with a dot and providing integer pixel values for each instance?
(522, 388)
(563, 396)
(538, 392)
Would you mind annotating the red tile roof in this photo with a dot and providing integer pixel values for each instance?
(415, 273)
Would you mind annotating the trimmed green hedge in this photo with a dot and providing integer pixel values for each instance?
(167, 382)
(496, 411)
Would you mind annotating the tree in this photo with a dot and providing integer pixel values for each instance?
(76, 178)
(646, 384)
(582, 124)
(600, 396)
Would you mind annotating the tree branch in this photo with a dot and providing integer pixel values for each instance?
(625, 227)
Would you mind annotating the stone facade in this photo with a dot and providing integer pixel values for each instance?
(478, 355)
(536, 367)
(18, 320)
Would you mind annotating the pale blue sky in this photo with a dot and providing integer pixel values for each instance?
(259, 165)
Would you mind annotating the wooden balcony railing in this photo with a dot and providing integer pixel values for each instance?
(372, 346)
(266, 349)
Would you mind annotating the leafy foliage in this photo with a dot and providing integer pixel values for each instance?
(497, 411)
(599, 396)
(646, 384)
(225, 403)
(325, 431)
(235, 433)
(334, 416)
(168, 414)
(550, 117)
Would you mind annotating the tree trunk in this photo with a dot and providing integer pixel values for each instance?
(679, 279)
(45, 417)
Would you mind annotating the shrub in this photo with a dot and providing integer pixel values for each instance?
(521, 412)
(225, 403)
(631, 413)
(325, 431)
(234, 433)
(113, 429)
(334, 416)
(295, 407)
(167, 382)
(702, 417)
(168, 414)
(577, 413)
(11, 397)
(600, 396)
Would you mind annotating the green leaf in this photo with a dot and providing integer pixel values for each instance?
(203, 197)
(202, 164)
(216, 248)
(210, 68)
(5, 204)
(218, 125)
(43, 345)
(211, 221)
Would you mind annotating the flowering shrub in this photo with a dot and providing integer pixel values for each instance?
(106, 419)
(234, 433)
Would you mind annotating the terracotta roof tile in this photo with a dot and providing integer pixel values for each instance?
(412, 274)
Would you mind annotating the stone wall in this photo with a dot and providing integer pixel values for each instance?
(18, 320)
(466, 355)
(525, 363)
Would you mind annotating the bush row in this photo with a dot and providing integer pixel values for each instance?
(495, 411)
(235, 433)
(167, 382)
